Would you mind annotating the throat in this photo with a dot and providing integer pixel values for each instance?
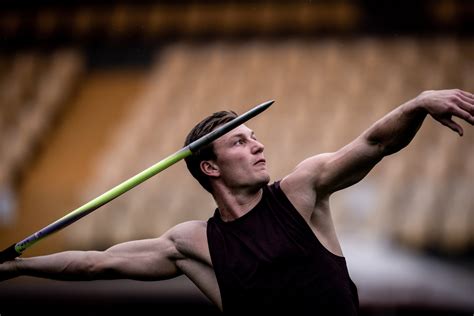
(233, 206)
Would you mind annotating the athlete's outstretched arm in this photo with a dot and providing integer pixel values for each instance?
(148, 259)
(329, 172)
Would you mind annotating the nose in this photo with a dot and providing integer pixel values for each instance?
(257, 147)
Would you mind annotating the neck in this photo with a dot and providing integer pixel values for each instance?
(233, 203)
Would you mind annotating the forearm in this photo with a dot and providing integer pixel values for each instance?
(68, 265)
(151, 259)
(396, 130)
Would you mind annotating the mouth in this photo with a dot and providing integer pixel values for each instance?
(260, 161)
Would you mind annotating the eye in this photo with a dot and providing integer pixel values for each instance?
(240, 141)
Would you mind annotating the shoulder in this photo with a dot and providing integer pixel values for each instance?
(308, 171)
(190, 238)
(301, 185)
(188, 227)
(306, 175)
(187, 231)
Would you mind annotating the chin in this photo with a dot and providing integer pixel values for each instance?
(264, 180)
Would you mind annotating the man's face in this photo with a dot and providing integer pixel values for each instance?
(240, 160)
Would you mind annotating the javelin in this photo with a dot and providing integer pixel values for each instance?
(17, 249)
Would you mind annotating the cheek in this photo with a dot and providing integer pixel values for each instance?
(233, 163)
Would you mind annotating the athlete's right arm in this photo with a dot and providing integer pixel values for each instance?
(148, 259)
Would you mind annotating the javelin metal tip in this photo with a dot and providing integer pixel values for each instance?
(253, 112)
(269, 102)
(263, 106)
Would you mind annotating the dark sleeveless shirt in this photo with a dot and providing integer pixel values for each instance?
(269, 260)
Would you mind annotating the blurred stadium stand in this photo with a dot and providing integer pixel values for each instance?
(94, 92)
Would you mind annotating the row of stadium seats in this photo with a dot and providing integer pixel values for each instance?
(33, 88)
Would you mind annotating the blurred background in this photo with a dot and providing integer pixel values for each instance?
(93, 92)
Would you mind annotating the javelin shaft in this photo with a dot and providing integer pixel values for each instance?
(17, 249)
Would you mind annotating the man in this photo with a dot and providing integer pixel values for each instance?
(268, 247)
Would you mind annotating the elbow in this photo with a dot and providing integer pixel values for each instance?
(382, 146)
(93, 266)
(378, 147)
(381, 149)
(388, 148)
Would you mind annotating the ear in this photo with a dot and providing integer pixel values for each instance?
(209, 168)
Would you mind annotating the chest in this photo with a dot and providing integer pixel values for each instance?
(265, 246)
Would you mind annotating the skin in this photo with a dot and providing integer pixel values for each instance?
(237, 177)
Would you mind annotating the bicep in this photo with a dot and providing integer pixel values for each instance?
(147, 259)
(330, 172)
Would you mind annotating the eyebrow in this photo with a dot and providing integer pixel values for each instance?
(239, 135)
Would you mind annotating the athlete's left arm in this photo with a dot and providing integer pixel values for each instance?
(330, 172)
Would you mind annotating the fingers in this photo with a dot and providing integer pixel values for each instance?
(448, 103)
(463, 114)
(466, 94)
(452, 125)
(466, 98)
(466, 103)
